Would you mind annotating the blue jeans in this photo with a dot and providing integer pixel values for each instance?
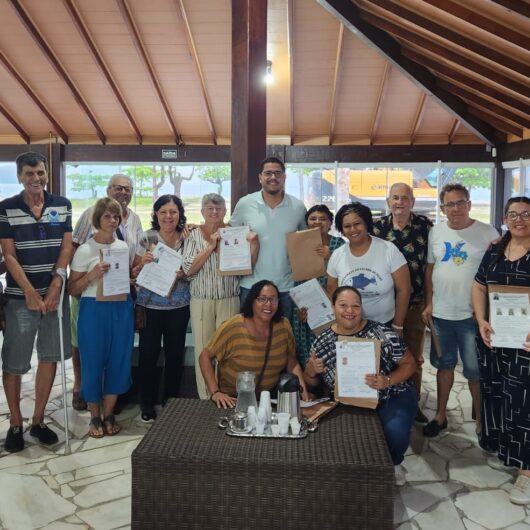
(285, 299)
(397, 415)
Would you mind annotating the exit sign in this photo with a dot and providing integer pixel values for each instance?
(169, 154)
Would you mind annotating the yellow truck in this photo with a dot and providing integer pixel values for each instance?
(371, 186)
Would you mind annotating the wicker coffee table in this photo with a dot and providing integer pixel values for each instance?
(187, 473)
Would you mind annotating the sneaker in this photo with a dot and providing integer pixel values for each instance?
(433, 428)
(420, 417)
(148, 415)
(14, 440)
(520, 493)
(44, 434)
(399, 474)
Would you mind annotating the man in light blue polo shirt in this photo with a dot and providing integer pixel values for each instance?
(272, 214)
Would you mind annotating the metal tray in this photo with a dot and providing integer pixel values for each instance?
(305, 427)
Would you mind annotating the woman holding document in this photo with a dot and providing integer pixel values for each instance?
(504, 380)
(105, 328)
(318, 216)
(397, 396)
(166, 316)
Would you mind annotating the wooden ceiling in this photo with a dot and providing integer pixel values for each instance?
(346, 72)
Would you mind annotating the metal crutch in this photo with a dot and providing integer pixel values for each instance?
(62, 274)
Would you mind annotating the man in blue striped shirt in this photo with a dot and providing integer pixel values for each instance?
(36, 239)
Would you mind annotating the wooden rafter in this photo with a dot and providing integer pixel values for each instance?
(452, 133)
(349, 14)
(423, 45)
(517, 6)
(290, 50)
(96, 55)
(453, 37)
(196, 62)
(420, 111)
(126, 13)
(33, 96)
(381, 94)
(10, 118)
(336, 76)
(500, 124)
(476, 99)
(476, 19)
(57, 66)
(456, 75)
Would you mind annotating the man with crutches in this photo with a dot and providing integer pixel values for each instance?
(36, 239)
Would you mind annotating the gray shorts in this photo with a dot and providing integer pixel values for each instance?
(22, 325)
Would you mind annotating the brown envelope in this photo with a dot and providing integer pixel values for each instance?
(305, 262)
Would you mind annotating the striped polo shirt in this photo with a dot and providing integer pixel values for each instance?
(238, 351)
(37, 242)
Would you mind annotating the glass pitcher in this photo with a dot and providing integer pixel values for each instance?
(246, 391)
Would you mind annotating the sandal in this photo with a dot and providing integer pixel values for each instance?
(110, 425)
(78, 403)
(95, 427)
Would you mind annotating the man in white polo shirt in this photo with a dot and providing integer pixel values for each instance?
(272, 214)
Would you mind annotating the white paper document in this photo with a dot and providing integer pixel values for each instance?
(116, 279)
(234, 249)
(159, 275)
(311, 295)
(509, 318)
(354, 361)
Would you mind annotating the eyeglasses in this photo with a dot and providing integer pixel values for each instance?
(122, 189)
(456, 204)
(269, 174)
(513, 216)
(267, 300)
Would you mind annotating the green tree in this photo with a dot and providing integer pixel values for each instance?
(144, 177)
(88, 181)
(216, 175)
(176, 177)
(473, 177)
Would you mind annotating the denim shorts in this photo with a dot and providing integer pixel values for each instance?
(456, 337)
(22, 326)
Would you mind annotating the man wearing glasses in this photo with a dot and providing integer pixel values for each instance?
(272, 214)
(36, 240)
(454, 253)
(120, 188)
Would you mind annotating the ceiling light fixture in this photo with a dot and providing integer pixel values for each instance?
(269, 78)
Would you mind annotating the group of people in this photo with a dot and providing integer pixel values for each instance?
(387, 278)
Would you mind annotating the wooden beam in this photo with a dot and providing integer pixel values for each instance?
(515, 150)
(476, 19)
(126, 13)
(349, 14)
(197, 64)
(517, 6)
(34, 97)
(381, 94)
(453, 37)
(476, 99)
(422, 45)
(249, 103)
(456, 75)
(11, 119)
(290, 55)
(57, 66)
(420, 111)
(452, 133)
(499, 123)
(82, 29)
(336, 77)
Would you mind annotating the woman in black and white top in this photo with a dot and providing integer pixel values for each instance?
(214, 298)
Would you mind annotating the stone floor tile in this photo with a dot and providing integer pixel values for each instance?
(406, 526)
(28, 503)
(122, 464)
(73, 519)
(27, 469)
(64, 478)
(470, 525)
(108, 516)
(95, 443)
(65, 526)
(77, 421)
(66, 491)
(92, 480)
(32, 453)
(425, 467)
(518, 526)
(476, 472)
(491, 509)
(112, 489)
(51, 482)
(442, 517)
(27, 406)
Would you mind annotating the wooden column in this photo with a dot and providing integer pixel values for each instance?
(249, 58)
(55, 155)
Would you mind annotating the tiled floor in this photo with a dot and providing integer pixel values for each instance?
(450, 486)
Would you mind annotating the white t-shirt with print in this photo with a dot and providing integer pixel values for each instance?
(371, 274)
(456, 255)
